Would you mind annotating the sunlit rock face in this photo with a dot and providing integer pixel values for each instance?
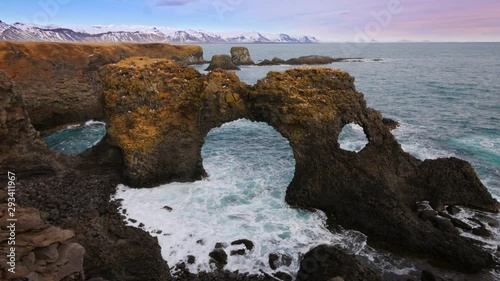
(159, 113)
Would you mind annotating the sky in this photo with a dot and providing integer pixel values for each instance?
(328, 20)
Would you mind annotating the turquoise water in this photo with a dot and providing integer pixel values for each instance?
(75, 139)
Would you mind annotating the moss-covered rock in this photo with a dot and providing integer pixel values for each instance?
(241, 56)
(157, 109)
(223, 62)
(59, 79)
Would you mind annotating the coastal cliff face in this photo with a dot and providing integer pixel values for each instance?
(59, 79)
(68, 192)
(159, 113)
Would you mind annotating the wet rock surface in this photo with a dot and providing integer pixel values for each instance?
(373, 191)
(326, 262)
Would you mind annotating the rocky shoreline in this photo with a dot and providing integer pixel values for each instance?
(241, 56)
(157, 109)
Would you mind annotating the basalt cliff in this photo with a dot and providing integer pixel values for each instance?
(158, 113)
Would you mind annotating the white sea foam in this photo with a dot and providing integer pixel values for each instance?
(352, 138)
(420, 148)
(92, 123)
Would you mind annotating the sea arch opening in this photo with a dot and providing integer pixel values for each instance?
(249, 167)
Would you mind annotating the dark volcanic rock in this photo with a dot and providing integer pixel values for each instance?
(391, 124)
(220, 257)
(277, 260)
(326, 262)
(373, 191)
(248, 244)
(310, 60)
(453, 210)
(429, 276)
(274, 61)
(223, 62)
(241, 56)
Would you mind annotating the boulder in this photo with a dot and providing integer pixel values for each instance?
(219, 257)
(223, 62)
(324, 262)
(274, 61)
(277, 260)
(248, 244)
(311, 60)
(241, 56)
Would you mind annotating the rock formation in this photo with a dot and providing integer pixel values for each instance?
(71, 192)
(223, 62)
(241, 56)
(59, 79)
(159, 113)
(305, 60)
(43, 252)
(326, 262)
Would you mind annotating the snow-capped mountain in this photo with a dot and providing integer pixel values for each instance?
(137, 34)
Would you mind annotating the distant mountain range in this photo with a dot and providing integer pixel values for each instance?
(137, 34)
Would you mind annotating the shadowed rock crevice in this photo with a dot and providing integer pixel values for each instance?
(160, 112)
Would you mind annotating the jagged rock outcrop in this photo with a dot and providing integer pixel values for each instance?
(223, 62)
(42, 252)
(324, 263)
(20, 144)
(305, 60)
(241, 56)
(59, 79)
(160, 112)
(71, 192)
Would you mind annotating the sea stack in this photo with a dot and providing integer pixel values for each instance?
(223, 62)
(241, 56)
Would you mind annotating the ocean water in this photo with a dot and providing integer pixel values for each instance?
(446, 97)
(75, 139)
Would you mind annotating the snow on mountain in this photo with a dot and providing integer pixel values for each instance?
(137, 33)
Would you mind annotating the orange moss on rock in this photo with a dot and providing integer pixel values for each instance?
(154, 103)
(59, 79)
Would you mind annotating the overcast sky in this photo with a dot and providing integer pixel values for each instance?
(329, 20)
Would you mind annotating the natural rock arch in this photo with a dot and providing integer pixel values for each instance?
(159, 113)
